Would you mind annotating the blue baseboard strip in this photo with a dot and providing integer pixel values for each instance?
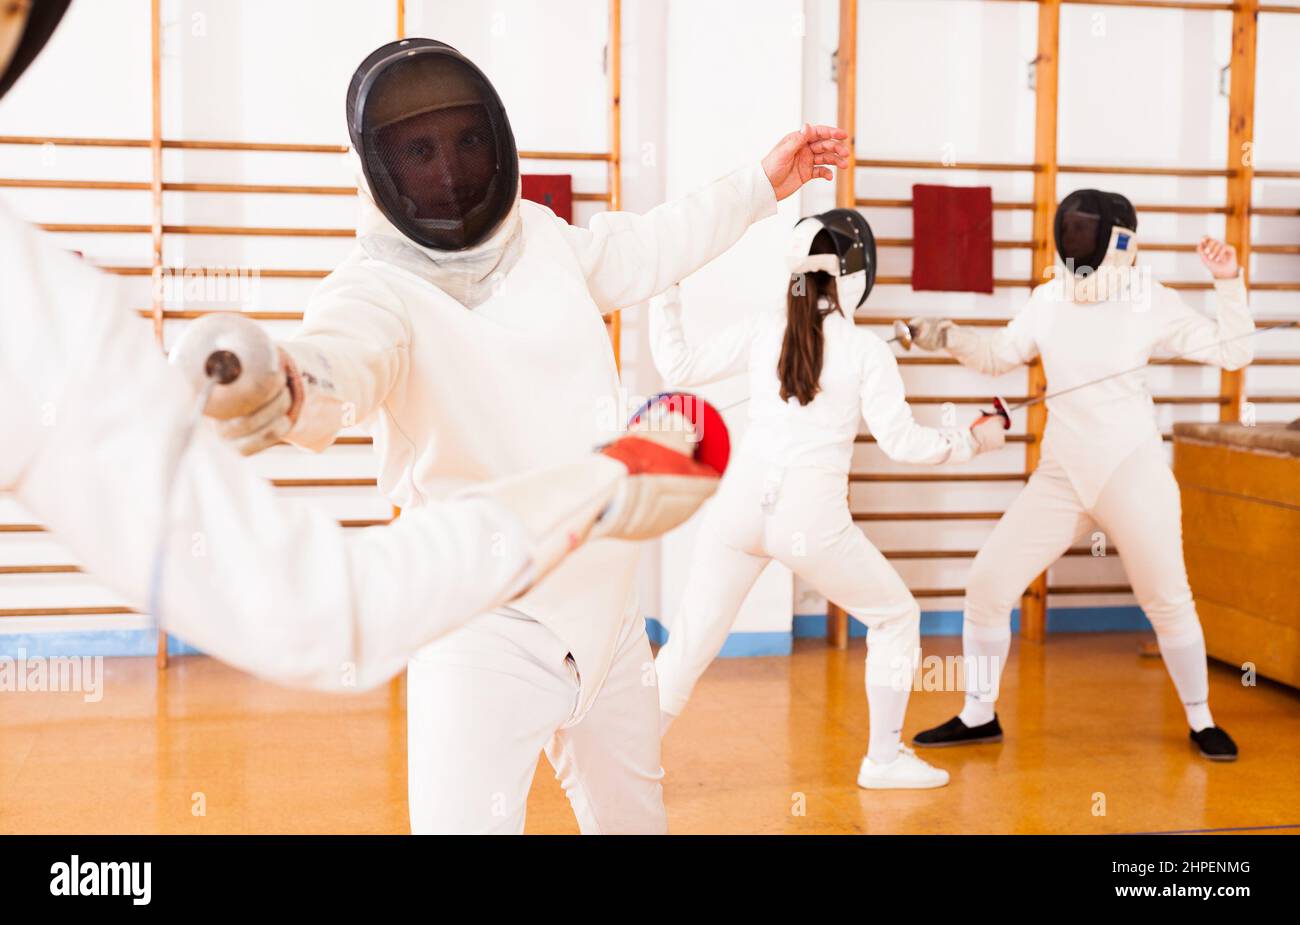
(738, 645)
(933, 623)
(96, 642)
(948, 622)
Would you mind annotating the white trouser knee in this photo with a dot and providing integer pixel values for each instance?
(989, 597)
(894, 648)
(1175, 622)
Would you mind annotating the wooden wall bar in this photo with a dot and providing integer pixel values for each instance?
(846, 77)
(156, 207)
(614, 159)
(1033, 604)
(1241, 134)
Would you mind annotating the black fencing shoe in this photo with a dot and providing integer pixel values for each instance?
(1215, 744)
(955, 732)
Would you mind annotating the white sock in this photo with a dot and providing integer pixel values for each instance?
(665, 720)
(985, 649)
(886, 707)
(1184, 657)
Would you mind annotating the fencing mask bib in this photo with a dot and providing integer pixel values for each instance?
(434, 142)
(853, 263)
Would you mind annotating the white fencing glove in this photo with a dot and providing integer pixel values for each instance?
(930, 333)
(989, 433)
(256, 389)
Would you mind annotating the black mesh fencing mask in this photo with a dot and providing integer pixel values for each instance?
(1086, 227)
(435, 144)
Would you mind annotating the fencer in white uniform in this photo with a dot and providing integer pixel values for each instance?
(1102, 466)
(466, 329)
(813, 376)
(95, 442)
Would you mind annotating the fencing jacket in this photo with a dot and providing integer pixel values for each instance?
(1092, 430)
(526, 378)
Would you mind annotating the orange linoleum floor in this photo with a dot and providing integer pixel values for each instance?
(768, 745)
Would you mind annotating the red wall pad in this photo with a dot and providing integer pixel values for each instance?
(555, 191)
(952, 238)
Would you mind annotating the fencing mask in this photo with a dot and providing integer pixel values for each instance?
(1095, 229)
(853, 258)
(434, 142)
(24, 30)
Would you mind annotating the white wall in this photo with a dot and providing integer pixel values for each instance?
(733, 78)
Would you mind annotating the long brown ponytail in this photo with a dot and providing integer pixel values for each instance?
(810, 298)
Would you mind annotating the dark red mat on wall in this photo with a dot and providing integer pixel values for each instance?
(553, 190)
(952, 238)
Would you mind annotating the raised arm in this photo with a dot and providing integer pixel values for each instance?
(682, 364)
(1221, 341)
(889, 417)
(629, 258)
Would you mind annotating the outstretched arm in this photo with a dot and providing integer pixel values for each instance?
(993, 354)
(351, 352)
(629, 258)
(889, 417)
(97, 448)
(683, 364)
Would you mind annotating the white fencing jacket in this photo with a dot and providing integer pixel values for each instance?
(859, 380)
(526, 378)
(1091, 431)
(90, 427)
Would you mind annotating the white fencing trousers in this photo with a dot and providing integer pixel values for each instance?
(1140, 514)
(800, 517)
(484, 702)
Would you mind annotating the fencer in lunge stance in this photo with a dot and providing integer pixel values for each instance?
(1102, 464)
(94, 443)
(466, 330)
(813, 375)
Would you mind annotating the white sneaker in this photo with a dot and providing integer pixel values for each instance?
(906, 772)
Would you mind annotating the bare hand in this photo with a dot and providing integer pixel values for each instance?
(1219, 258)
(802, 155)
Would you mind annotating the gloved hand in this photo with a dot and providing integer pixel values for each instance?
(663, 488)
(637, 487)
(269, 423)
(256, 391)
(675, 451)
(989, 433)
(930, 333)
